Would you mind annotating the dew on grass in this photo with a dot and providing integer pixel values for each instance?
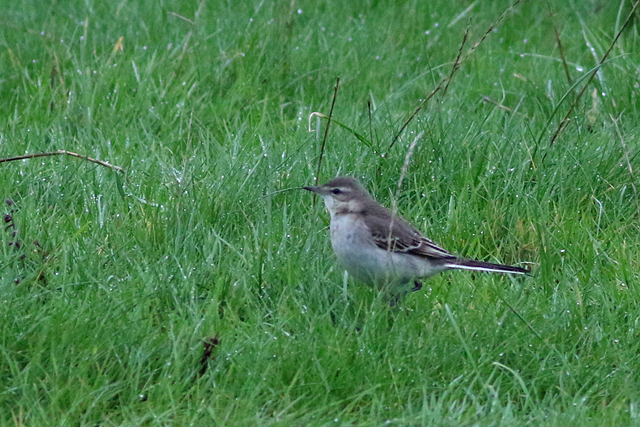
(579, 69)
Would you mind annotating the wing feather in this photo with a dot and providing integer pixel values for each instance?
(397, 235)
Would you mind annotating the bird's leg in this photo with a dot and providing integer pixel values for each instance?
(417, 287)
(395, 298)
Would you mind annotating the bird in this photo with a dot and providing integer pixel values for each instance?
(380, 248)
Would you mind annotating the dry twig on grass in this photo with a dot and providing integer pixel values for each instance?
(63, 152)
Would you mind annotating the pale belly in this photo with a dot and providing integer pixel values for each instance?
(359, 255)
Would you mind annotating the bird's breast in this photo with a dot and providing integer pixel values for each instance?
(345, 231)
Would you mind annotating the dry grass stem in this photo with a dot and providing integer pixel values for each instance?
(326, 131)
(459, 60)
(63, 152)
(564, 59)
(565, 121)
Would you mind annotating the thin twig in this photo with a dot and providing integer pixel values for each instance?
(407, 159)
(497, 104)
(462, 59)
(326, 130)
(565, 121)
(403, 172)
(523, 320)
(456, 64)
(564, 60)
(500, 18)
(395, 138)
(61, 152)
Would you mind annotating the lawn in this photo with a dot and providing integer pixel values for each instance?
(198, 287)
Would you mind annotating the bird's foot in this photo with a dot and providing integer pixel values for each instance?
(417, 287)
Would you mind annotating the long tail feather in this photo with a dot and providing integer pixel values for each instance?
(469, 264)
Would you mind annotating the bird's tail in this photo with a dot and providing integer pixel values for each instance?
(469, 264)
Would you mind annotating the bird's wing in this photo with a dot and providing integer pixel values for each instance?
(397, 235)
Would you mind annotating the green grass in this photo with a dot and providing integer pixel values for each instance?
(112, 282)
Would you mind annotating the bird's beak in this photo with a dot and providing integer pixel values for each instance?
(313, 189)
(320, 191)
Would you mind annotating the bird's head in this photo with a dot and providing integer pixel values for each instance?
(342, 195)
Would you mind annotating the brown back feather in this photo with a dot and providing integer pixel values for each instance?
(391, 232)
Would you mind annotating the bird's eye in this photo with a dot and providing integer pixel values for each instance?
(336, 191)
